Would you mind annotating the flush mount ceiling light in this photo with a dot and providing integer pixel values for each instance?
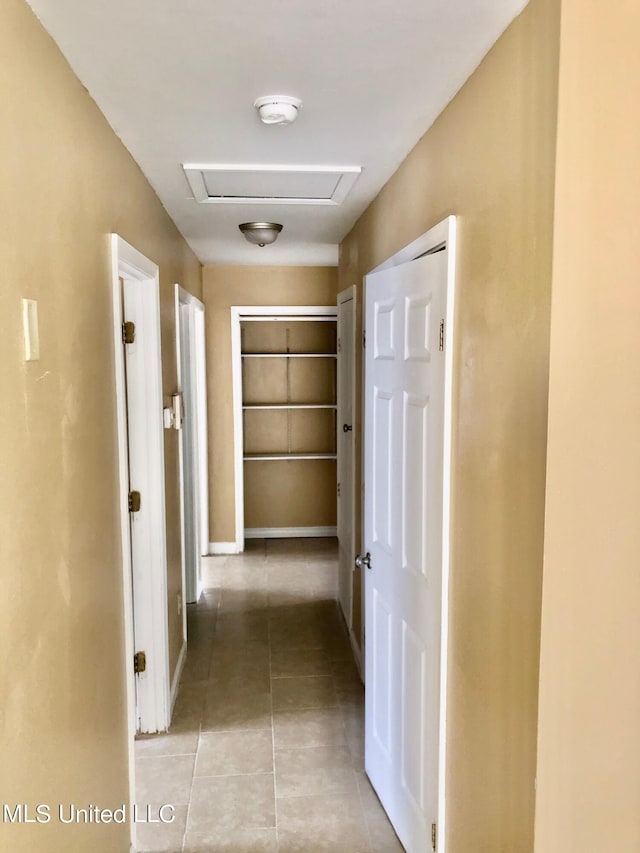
(277, 109)
(261, 233)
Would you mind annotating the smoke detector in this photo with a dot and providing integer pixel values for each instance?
(277, 109)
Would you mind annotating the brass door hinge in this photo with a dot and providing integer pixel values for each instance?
(338, 489)
(135, 501)
(441, 345)
(434, 836)
(339, 345)
(139, 662)
(128, 332)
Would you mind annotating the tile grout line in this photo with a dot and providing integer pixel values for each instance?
(357, 781)
(364, 815)
(234, 775)
(272, 611)
(193, 776)
(195, 760)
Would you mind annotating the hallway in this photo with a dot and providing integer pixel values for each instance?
(266, 750)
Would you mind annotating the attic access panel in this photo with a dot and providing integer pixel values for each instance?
(252, 184)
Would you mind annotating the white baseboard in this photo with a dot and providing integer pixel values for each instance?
(357, 654)
(289, 532)
(224, 548)
(175, 681)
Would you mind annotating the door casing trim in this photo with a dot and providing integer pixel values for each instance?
(442, 235)
(257, 313)
(196, 308)
(347, 295)
(128, 263)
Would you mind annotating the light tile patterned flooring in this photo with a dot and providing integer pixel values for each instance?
(266, 748)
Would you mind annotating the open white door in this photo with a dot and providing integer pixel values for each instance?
(200, 352)
(403, 535)
(346, 449)
(191, 355)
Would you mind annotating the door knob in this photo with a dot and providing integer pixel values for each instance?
(346, 427)
(361, 561)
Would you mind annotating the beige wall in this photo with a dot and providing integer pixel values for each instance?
(224, 286)
(66, 182)
(589, 735)
(489, 159)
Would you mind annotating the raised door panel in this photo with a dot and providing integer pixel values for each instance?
(382, 469)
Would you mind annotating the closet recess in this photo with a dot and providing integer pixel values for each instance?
(289, 423)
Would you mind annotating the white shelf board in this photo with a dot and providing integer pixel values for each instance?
(268, 457)
(294, 406)
(289, 355)
(288, 318)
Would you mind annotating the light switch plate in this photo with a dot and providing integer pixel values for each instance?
(30, 326)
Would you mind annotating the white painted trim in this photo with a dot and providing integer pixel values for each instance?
(183, 297)
(238, 314)
(435, 238)
(289, 355)
(268, 167)
(153, 690)
(123, 479)
(347, 176)
(128, 263)
(175, 682)
(183, 556)
(191, 310)
(290, 532)
(301, 318)
(200, 346)
(348, 295)
(292, 406)
(450, 338)
(282, 313)
(238, 442)
(441, 235)
(224, 548)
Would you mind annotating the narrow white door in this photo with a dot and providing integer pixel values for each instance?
(346, 451)
(189, 441)
(200, 358)
(192, 381)
(404, 436)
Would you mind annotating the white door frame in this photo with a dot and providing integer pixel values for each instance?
(151, 574)
(350, 294)
(442, 235)
(200, 345)
(195, 416)
(239, 313)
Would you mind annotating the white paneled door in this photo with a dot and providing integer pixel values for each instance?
(403, 534)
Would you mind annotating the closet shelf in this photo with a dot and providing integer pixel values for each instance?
(266, 457)
(289, 355)
(286, 373)
(292, 406)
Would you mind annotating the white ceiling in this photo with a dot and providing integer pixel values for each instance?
(177, 80)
